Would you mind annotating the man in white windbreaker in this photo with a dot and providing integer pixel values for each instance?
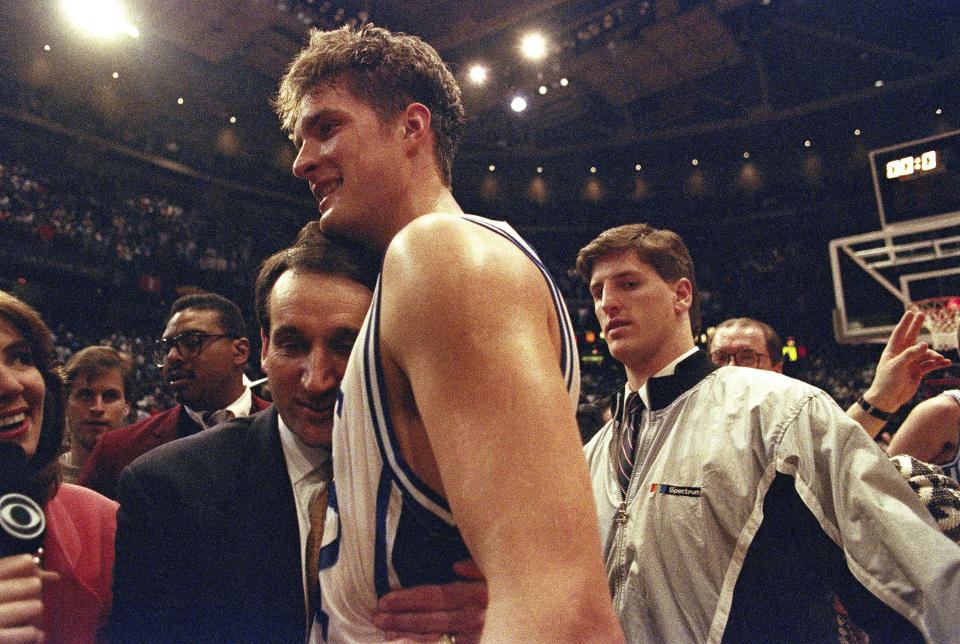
(736, 503)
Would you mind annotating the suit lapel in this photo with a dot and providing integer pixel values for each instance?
(264, 499)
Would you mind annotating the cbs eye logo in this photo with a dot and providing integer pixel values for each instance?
(21, 517)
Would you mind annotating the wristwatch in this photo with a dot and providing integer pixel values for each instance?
(873, 411)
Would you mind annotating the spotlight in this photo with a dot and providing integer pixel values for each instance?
(534, 46)
(478, 74)
(564, 82)
(518, 104)
(100, 17)
(542, 90)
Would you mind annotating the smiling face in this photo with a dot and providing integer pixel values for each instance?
(352, 161)
(21, 390)
(314, 321)
(643, 317)
(96, 404)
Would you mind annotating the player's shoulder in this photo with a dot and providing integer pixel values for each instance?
(939, 408)
(450, 234)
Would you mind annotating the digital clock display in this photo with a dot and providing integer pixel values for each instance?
(908, 165)
(917, 180)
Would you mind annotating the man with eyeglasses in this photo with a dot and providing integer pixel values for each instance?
(746, 342)
(201, 354)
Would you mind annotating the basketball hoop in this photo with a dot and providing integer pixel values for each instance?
(942, 320)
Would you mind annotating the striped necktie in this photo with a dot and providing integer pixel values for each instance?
(628, 441)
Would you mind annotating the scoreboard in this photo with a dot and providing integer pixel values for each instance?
(917, 180)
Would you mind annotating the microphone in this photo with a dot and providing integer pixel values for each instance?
(22, 524)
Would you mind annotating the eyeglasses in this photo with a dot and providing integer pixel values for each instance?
(742, 358)
(189, 344)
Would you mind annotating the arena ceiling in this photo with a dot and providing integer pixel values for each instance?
(638, 72)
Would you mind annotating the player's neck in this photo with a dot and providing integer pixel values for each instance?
(433, 199)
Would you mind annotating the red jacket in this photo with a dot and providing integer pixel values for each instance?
(118, 448)
(79, 547)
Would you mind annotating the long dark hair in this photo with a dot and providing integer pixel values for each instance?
(28, 322)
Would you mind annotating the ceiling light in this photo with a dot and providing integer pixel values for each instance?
(564, 82)
(806, 143)
(534, 46)
(491, 168)
(638, 167)
(518, 104)
(746, 155)
(233, 119)
(180, 101)
(695, 162)
(542, 90)
(856, 132)
(477, 74)
(593, 169)
(878, 83)
(115, 74)
(939, 111)
(539, 170)
(46, 48)
(100, 17)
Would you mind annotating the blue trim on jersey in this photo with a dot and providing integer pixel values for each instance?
(374, 376)
(381, 577)
(568, 344)
(415, 518)
(330, 552)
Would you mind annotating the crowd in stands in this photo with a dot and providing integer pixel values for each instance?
(160, 237)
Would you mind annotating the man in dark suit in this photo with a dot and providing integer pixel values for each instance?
(202, 353)
(213, 529)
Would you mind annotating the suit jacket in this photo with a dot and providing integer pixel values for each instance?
(117, 449)
(79, 547)
(208, 545)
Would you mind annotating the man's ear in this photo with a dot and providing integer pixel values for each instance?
(683, 295)
(242, 347)
(415, 120)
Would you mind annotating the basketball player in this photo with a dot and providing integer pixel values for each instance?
(456, 430)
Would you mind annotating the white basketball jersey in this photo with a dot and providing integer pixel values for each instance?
(384, 527)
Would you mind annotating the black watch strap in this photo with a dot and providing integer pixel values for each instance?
(873, 411)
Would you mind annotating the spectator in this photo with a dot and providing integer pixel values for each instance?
(203, 350)
(100, 382)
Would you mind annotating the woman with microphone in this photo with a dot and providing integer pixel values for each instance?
(59, 592)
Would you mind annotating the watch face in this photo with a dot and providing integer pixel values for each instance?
(919, 179)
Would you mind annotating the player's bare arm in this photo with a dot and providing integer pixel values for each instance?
(471, 351)
(930, 432)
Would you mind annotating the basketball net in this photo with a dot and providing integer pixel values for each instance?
(942, 320)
